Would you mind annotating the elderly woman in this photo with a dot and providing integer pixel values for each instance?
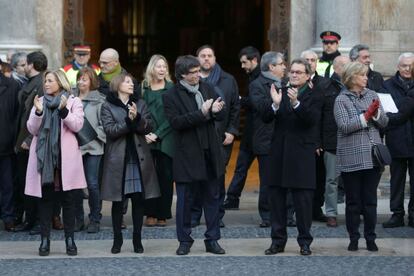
(55, 161)
(92, 100)
(128, 170)
(359, 117)
(156, 83)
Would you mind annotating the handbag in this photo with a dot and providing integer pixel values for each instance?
(87, 132)
(381, 155)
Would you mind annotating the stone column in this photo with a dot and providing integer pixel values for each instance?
(18, 29)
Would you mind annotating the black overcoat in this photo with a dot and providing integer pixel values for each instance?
(187, 121)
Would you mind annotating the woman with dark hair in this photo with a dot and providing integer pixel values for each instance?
(359, 117)
(128, 170)
(155, 84)
(92, 100)
(55, 162)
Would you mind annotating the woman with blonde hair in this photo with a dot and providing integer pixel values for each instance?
(156, 83)
(359, 117)
(55, 161)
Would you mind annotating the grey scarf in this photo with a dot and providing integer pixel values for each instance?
(48, 146)
(193, 89)
(277, 81)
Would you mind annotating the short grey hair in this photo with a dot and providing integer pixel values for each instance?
(354, 53)
(16, 57)
(306, 52)
(405, 55)
(269, 58)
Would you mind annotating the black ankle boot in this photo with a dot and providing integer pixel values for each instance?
(44, 248)
(118, 240)
(71, 248)
(136, 241)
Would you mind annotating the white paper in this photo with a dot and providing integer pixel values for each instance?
(387, 103)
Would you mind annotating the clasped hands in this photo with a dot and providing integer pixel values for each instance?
(277, 95)
(372, 110)
(215, 106)
(39, 106)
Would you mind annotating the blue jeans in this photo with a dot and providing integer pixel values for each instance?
(91, 167)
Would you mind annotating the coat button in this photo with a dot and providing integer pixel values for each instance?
(139, 145)
(142, 159)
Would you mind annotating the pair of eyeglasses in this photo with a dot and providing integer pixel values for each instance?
(296, 72)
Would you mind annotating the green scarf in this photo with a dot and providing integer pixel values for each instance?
(302, 89)
(109, 76)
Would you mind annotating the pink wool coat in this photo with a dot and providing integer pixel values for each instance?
(72, 173)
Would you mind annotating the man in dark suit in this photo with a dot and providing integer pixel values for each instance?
(225, 87)
(360, 53)
(295, 112)
(192, 108)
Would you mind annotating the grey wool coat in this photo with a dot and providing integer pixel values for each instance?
(117, 126)
(355, 139)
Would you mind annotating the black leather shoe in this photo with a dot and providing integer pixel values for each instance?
(274, 249)
(353, 246)
(264, 224)
(71, 248)
(372, 246)
(35, 230)
(305, 250)
(231, 204)
(222, 225)
(183, 249)
(136, 242)
(25, 226)
(214, 247)
(44, 248)
(394, 221)
(118, 240)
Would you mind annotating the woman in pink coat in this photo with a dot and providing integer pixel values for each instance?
(55, 162)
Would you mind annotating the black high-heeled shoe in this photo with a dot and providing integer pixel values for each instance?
(118, 240)
(136, 241)
(44, 248)
(71, 248)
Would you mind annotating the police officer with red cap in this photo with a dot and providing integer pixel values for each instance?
(330, 42)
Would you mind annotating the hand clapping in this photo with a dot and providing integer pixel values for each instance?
(63, 102)
(132, 111)
(275, 94)
(37, 104)
(293, 95)
(217, 105)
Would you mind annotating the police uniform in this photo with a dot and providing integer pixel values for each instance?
(71, 70)
(324, 66)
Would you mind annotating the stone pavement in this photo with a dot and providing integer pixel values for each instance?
(243, 240)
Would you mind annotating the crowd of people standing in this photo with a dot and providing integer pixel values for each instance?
(314, 126)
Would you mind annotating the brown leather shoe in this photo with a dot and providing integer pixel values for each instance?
(150, 221)
(56, 223)
(162, 223)
(331, 222)
(9, 226)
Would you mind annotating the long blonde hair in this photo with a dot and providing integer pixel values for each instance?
(149, 72)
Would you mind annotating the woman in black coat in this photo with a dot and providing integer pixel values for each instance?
(128, 169)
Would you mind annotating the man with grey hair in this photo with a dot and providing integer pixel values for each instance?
(360, 53)
(273, 69)
(399, 140)
(320, 86)
(18, 63)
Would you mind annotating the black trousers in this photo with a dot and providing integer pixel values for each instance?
(23, 203)
(209, 192)
(302, 202)
(160, 207)
(137, 213)
(6, 188)
(196, 209)
(398, 170)
(319, 194)
(361, 198)
(46, 204)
